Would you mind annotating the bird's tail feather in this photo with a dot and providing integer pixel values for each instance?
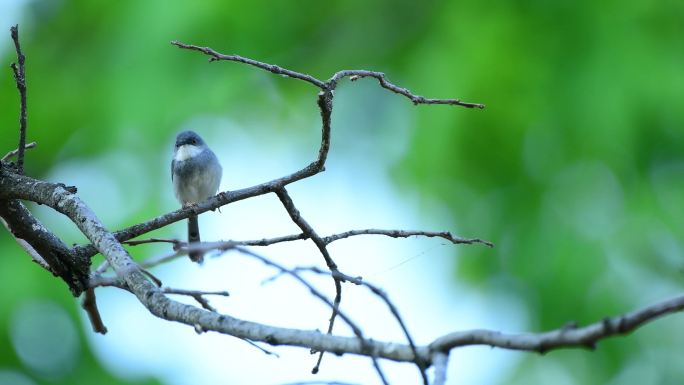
(194, 236)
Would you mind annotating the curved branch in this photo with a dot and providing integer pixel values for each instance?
(407, 233)
(325, 98)
(227, 197)
(216, 56)
(355, 75)
(310, 233)
(14, 186)
(567, 337)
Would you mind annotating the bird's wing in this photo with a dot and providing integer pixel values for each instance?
(173, 163)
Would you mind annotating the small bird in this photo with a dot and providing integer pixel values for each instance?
(196, 175)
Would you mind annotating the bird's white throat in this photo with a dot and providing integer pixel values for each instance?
(186, 152)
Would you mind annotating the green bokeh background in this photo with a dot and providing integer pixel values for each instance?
(575, 169)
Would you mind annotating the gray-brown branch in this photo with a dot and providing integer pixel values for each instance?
(325, 103)
(19, 70)
(14, 186)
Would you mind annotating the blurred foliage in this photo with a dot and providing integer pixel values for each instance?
(575, 169)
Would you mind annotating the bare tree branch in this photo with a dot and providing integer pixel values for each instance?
(215, 56)
(332, 82)
(89, 304)
(310, 233)
(384, 83)
(197, 295)
(20, 78)
(37, 258)
(393, 309)
(325, 99)
(176, 243)
(207, 246)
(16, 151)
(334, 305)
(566, 337)
(407, 233)
(51, 250)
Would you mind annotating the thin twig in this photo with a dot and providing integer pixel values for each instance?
(422, 366)
(261, 348)
(327, 239)
(325, 104)
(197, 295)
(152, 277)
(271, 241)
(98, 280)
(89, 304)
(175, 242)
(407, 233)
(183, 248)
(20, 78)
(307, 230)
(215, 56)
(332, 82)
(333, 305)
(384, 83)
(16, 151)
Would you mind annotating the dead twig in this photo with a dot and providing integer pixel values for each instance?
(197, 295)
(16, 151)
(19, 71)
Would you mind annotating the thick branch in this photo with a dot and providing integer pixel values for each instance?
(56, 196)
(23, 225)
(332, 82)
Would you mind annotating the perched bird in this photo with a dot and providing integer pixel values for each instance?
(196, 175)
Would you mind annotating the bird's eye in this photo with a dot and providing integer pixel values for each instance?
(193, 141)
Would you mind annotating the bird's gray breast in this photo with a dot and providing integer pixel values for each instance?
(196, 178)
